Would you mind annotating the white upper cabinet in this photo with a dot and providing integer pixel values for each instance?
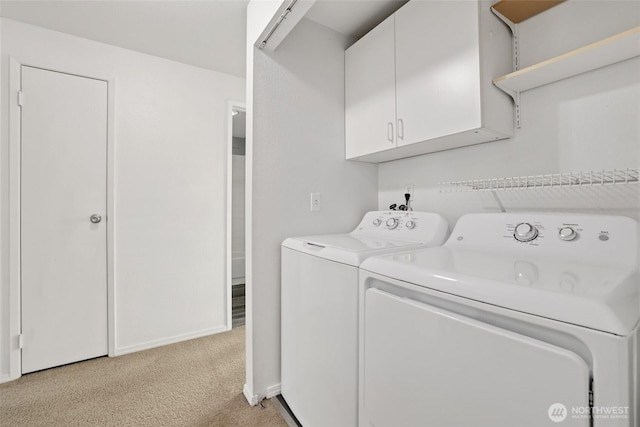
(433, 91)
(437, 84)
(371, 92)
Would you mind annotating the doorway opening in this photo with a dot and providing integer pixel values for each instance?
(236, 214)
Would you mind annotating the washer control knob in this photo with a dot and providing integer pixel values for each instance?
(392, 223)
(567, 233)
(377, 222)
(525, 232)
(411, 224)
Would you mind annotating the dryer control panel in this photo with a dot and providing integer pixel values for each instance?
(583, 236)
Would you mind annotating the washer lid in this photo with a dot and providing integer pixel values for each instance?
(349, 249)
(603, 297)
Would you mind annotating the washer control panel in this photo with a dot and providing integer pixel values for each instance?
(409, 225)
(393, 220)
(393, 223)
(598, 237)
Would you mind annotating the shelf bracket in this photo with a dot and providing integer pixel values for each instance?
(516, 102)
(515, 38)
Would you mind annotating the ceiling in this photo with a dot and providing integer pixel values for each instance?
(209, 34)
(352, 18)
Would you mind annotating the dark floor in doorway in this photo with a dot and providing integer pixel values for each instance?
(237, 305)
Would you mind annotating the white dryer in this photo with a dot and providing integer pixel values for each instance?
(525, 320)
(320, 310)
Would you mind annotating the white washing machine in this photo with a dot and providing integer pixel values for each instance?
(525, 320)
(320, 310)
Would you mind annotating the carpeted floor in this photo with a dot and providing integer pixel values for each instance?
(193, 383)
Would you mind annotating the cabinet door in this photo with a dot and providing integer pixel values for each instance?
(370, 105)
(437, 69)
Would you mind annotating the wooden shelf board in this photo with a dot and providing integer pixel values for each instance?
(596, 55)
(520, 10)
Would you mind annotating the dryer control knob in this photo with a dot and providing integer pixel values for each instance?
(392, 223)
(377, 222)
(410, 224)
(525, 232)
(567, 233)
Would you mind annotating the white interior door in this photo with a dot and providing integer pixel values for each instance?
(425, 366)
(63, 253)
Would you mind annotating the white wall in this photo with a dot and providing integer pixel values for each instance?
(170, 138)
(295, 144)
(259, 13)
(4, 276)
(591, 121)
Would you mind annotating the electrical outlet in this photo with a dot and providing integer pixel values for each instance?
(316, 202)
(408, 188)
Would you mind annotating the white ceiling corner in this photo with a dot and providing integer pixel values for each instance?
(209, 34)
(352, 18)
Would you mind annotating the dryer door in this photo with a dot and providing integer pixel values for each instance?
(427, 366)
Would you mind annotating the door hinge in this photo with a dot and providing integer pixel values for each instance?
(20, 98)
(20, 342)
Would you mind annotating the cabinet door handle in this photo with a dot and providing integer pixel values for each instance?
(400, 129)
(390, 131)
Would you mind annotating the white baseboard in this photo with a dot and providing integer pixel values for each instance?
(5, 378)
(274, 390)
(253, 399)
(119, 351)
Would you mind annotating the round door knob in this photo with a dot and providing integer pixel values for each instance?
(525, 232)
(410, 224)
(567, 233)
(95, 218)
(392, 223)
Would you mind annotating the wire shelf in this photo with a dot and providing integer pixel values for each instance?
(557, 180)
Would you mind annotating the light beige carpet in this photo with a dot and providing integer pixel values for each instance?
(193, 383)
